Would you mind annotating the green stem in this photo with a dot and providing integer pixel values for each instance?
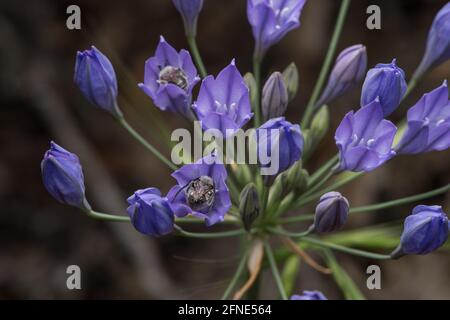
(257, 74)
(401, 201)
(106, 217)
(376, 206)
(299, 218)
(224, 234)
(117, 218)
(334, 186)
(264, 198)
(196, 54)
(326, 167)
(411, 86)
(317, 186)
(274, 268)
(327, 63)
(289, 234)
(356, 252)
(236, 276)
(234, 190)
(145, 143)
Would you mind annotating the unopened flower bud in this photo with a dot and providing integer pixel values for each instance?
(189, 10)
(250, 81)
(425, 230)
(284, 138)
(438, 43)
(319, 127)
(150, 213)
(387, 82)
(290, 76)
(274, 97)
(63, 176)
(95, 76)
(295, 179)
(348, 70)
(331, 212)
(249, 205)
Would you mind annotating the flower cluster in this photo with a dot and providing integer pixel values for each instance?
(250, 196)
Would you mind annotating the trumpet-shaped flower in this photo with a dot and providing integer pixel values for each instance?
(201, 191)
(223, 103)
(271, 20)
(428, 124)
(169, 79)
(365, 139)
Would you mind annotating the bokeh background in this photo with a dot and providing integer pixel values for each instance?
(39, 237)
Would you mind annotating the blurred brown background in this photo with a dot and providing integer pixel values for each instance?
(39, 238)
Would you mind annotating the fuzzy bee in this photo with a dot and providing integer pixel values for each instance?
(200, 193)
(173, 75)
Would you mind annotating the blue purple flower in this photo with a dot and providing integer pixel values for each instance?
(95, 76)
(169, 79)
(438, 43)
(150, 213)
(348, 71)
(63, 176)
(223, 103)
(387, 82)
(201, 190)
(428, 124)
(309, 295)
(279, 144)
(365, 139)
(189, 10)
(331, 212)
(271, 20)
(425, 230)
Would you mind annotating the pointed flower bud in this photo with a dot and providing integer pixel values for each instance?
(425, 230)
(309, 295)
(250, 81)
(348, 71)
(189, 10)
(169, 78)
(95, 76)
(387, 82)
(272, 20)
(365, 139)
(319, 127)
(438, 43)
(63, 176)
(295, 179)
(279, 145)
(150, 213)
(290, 76)
(331, 212)
(249, 205)
(274, 97)
(428, 127)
